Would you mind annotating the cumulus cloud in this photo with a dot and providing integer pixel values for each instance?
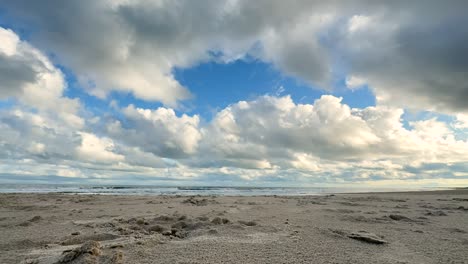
(461, 121)
(97, 149)
(42, 126)
(277, 127)
(42, 121)
(273, 132)
(276, 138)
(158, 131)
(267, 139)
(29, 76)
(26, 135)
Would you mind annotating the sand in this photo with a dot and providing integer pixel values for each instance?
(413, 227)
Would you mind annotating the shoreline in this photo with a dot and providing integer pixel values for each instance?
(175, 194)
(452, 190)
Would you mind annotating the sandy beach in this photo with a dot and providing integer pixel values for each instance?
(412, 227)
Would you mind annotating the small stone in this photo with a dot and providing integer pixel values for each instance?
(367, 237)
(116, 246)
(35, 218)
(399, 217)
(248, 223)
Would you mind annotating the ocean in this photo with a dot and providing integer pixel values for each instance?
(186, 190)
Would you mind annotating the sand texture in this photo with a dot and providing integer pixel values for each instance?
(417, 227)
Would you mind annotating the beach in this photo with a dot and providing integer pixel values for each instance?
(400, 227)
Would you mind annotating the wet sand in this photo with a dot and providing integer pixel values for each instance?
(412, 227)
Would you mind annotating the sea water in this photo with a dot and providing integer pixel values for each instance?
(185, 190)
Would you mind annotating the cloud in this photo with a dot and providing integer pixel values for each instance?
(406, 59)
(461, 121)
(266, 138)
(42, 125)
(97, 149)
(354, 82)
(273, 132)
(273, 136)
(26, 135)
(277, 127)
(29, 76)
(158, 131)
(358, 22)
(133, 46)
(106, 56)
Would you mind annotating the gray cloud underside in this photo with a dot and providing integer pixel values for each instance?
(14, 73)
(405, 50)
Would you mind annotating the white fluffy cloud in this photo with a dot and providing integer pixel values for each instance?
(158, 131)
(354, 82)
(461, 121)
(269, 139)
(93, 148)
(273, 132)
(26, 135)
(277, 127)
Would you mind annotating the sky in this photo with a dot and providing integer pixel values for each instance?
(234, 92)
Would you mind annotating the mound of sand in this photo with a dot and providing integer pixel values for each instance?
(90, 253)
